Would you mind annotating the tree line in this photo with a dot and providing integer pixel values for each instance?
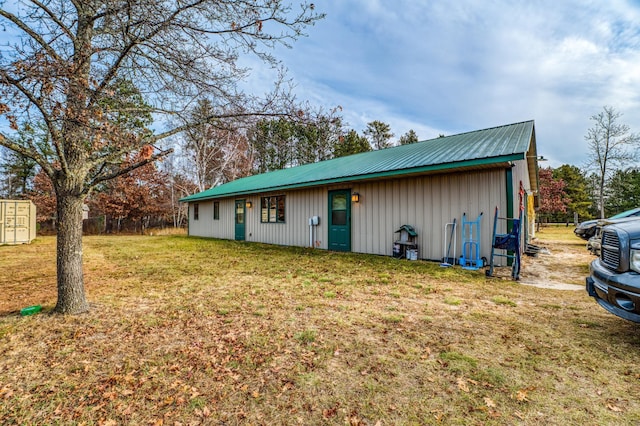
(213, 153)
(205, 155)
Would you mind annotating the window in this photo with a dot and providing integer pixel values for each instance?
(216, 210)
(196, 211)
(272, 209)
(339, 209)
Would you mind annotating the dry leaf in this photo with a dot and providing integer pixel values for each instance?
(614, 408)
(521, 396)
(329, 412)
(489, 402)
(494, 414)
(462, 385)
(206, 412)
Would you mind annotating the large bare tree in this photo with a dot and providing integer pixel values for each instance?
(65, 66)
(611, 146)
(214, 154)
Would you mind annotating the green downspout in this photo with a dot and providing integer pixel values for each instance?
(509, 177)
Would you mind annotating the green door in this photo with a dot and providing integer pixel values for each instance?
(340, 220)
(240, 220)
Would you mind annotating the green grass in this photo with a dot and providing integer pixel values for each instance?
(306, 336)
(452, 300)
(503, 300)
(200, 331)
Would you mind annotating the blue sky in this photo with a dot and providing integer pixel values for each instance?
(455, 66)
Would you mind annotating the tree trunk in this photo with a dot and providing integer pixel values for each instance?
(71, 295)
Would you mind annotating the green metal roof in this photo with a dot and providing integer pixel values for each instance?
(473, 149)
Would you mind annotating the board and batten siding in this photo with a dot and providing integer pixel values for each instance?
(300, 205)
(206, 226)
(425, 202)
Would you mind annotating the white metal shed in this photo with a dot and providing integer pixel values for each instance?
(17, 221)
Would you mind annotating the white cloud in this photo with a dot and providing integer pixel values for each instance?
(448, 67)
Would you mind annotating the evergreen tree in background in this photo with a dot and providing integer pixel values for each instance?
(408, 138)
(379, 135)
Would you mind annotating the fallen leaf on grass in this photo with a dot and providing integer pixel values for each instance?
(489, 402)
(354, 421)
(462, 385)
(330, 412)
(6, 393)
(521, 395)
(438, 415)
(614, 408)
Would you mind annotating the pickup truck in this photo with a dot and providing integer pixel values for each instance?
(614, 277)
(587, 229)
(593, 244)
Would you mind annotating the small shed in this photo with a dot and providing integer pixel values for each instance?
(17, 221)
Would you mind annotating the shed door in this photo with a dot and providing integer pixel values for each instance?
(240, 219)
(339, 220)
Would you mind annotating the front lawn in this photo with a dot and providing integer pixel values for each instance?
(197, 331)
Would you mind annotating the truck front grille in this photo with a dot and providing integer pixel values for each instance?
(610, 250)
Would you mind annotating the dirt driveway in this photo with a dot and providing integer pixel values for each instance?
(563, 263)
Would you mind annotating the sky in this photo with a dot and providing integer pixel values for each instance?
(447, 67)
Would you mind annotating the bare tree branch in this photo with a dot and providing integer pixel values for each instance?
(54, 18)
(29, 152)
(125, 170)
(30, 32)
